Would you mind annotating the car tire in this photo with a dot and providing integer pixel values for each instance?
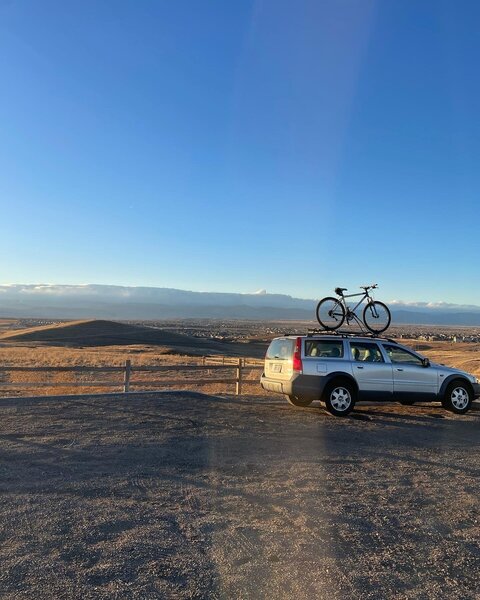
(458, 397)
(339, 397)
(298, 400)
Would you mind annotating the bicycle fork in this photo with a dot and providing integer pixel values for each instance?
(373, 310)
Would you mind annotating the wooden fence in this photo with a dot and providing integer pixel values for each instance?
(127, 375)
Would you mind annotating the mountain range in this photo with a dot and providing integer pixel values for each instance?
(143, 303)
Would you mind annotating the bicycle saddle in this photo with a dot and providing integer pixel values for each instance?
(340, 291)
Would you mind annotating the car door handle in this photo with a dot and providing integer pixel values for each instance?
(399, 369)
(359, 367)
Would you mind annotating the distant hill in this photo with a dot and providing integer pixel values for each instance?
(110, 333)
(435, 317)
(144, 303)
(141, 303)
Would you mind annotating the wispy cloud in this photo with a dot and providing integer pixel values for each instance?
(434, 305)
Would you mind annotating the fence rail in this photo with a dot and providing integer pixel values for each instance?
(127, 371)
(66, 369)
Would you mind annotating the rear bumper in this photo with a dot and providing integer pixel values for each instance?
(276, 386)
(306, 386)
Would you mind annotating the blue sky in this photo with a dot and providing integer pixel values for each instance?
(233, 146)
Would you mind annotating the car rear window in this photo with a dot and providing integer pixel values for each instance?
(324, 348)
(281, 349)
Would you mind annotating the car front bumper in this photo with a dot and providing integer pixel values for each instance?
(476, 390)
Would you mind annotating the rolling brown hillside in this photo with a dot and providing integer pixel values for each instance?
(111, 333)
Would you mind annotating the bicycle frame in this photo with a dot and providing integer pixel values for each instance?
(352, 310)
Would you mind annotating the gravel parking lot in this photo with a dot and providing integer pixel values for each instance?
(183, 495)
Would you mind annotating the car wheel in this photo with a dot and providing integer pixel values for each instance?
(298, 400)
(458, 397)
(339, 398)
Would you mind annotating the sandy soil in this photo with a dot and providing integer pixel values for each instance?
(180, 495)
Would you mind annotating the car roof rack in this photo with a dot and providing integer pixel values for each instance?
(348, 334)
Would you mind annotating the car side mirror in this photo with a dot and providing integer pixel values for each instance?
(425, 362)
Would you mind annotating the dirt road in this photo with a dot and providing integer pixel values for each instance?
(179, 495)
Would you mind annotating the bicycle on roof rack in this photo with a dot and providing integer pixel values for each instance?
(332, 312)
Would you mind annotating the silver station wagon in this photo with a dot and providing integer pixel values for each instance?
(341, 369)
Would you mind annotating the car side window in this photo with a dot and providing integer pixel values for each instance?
(400, 355)
(324, 348)
(366, 352)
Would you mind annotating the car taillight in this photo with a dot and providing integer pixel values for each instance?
(297, 355)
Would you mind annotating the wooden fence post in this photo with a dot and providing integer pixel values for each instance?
(238, 384)
(126, 378)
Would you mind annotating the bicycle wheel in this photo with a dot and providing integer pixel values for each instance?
(330, 313)
(376, 316)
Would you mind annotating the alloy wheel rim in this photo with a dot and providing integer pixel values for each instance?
(459, 398)
(340, 399)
